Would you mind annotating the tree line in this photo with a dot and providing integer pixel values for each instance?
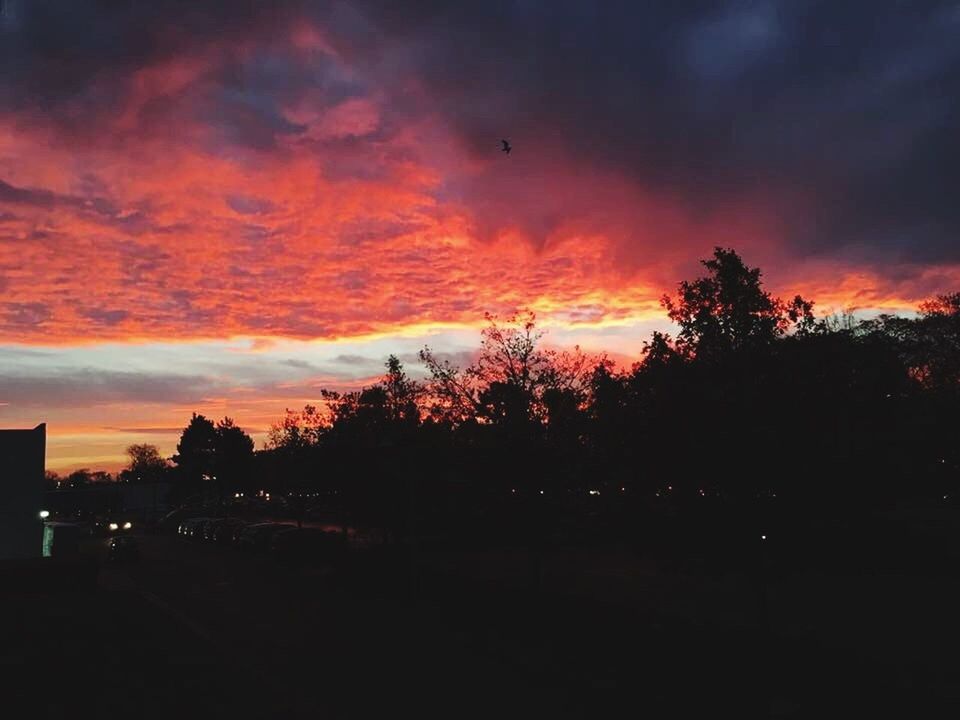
(753, 396)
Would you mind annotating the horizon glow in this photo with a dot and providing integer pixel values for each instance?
(226, 211)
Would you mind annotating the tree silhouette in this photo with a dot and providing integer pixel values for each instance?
(146, 464)
(196, 453)
(221, 453)
(933, 343)
(509, 382)
(728, 310)
(233, 456)
(751, 398)
(387, 412)
(79, 478)
(298, 430)
(52, 480)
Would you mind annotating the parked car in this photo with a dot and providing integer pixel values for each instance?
(123, 548)
(258, 536)
(308, 545)
(223, 530)
(192, 528)
(208, 528)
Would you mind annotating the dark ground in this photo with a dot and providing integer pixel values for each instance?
(193, 630)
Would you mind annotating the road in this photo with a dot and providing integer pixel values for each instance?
(199, 630)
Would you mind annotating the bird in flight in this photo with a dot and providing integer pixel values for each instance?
(506, 147)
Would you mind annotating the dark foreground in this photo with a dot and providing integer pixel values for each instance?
(194, 630)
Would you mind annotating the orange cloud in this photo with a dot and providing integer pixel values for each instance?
(200, 207)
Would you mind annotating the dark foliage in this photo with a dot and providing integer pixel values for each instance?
(753, 400)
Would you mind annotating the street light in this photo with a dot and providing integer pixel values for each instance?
(44, 514)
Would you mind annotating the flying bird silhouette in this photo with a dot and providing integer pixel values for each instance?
(506, 147)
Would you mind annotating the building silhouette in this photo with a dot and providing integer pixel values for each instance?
(22, 467)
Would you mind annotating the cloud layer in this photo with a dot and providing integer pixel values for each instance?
(174, 172)
(331, 169)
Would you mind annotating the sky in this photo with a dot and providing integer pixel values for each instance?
(224, 206)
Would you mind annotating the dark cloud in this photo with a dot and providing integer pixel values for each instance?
(87, 387)
(247, 205)
(25, 196)
(299, 364)
(71, 54)
(348, 359)
(102, 316)
(146, 430)
(836, 118)
(99, 209)
(17, 315)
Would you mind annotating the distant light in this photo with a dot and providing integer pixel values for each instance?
(594, 492)
(541, 492)
(127, 525)
(236, 495)
(669, 487)
(114, 526)
(763, 537)
(44, 514)
(623, 489)
(513, 490)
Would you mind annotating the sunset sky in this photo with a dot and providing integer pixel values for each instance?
(225, 206)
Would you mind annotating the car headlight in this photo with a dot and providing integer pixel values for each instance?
(113, 526)
(127, 525)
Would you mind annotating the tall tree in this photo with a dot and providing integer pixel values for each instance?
(196, 451)
(233, 456)
(146, 464)
(385, 413)
(52, 480)
(79, 478)
(728, 310)
(936, 343)
(299, 429)
(509, 382)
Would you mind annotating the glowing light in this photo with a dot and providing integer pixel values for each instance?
(127, 525)
(763, 537)
(541, 492)
(44, 514)
(594, 492)
(113, 526)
